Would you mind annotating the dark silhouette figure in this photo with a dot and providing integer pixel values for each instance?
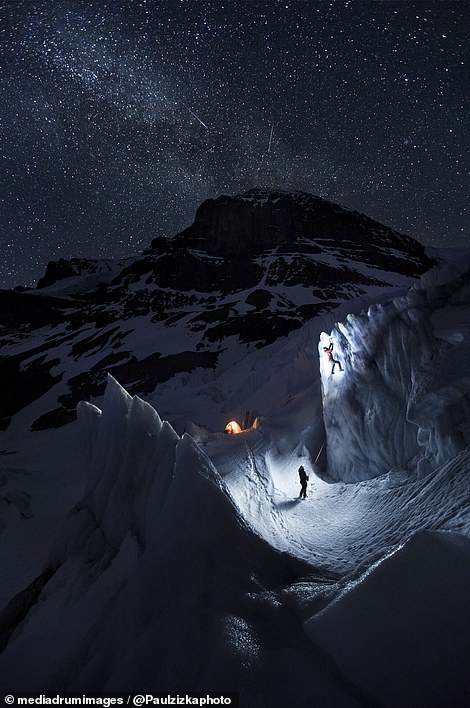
(329, 352)
(303, 482)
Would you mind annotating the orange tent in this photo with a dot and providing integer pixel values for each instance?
(232, 428)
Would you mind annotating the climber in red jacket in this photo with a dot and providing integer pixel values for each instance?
(329, 352)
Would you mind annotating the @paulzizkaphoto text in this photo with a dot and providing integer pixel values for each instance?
(136, 699)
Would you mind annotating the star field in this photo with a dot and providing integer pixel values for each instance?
(119, 117)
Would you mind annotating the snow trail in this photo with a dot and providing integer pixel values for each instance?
(340, 526)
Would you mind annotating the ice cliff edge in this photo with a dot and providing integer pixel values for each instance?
(403, 400)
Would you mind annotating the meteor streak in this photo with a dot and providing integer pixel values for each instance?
(197, 118)
(270, 139)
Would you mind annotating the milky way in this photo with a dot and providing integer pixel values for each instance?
(119, 117)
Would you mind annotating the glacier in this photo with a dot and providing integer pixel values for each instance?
(191, 564)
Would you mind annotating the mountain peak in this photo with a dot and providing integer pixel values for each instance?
(261, 219)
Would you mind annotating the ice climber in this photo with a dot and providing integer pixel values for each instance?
(329, 352)
(303, 482)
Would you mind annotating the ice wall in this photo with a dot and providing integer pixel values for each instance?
(403, 400)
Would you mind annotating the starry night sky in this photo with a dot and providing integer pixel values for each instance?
(118, 117)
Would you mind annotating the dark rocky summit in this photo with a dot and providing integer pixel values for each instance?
(258, 220)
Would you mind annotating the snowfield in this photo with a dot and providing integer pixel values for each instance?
(151, 559)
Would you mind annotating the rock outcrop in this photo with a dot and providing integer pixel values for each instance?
(257, 220)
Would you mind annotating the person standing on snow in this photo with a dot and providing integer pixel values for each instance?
(329, 352)
(303, 482)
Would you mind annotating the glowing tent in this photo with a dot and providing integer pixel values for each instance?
(232, 428)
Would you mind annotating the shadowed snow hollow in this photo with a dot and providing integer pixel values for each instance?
(403, 400)
(401, 631)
